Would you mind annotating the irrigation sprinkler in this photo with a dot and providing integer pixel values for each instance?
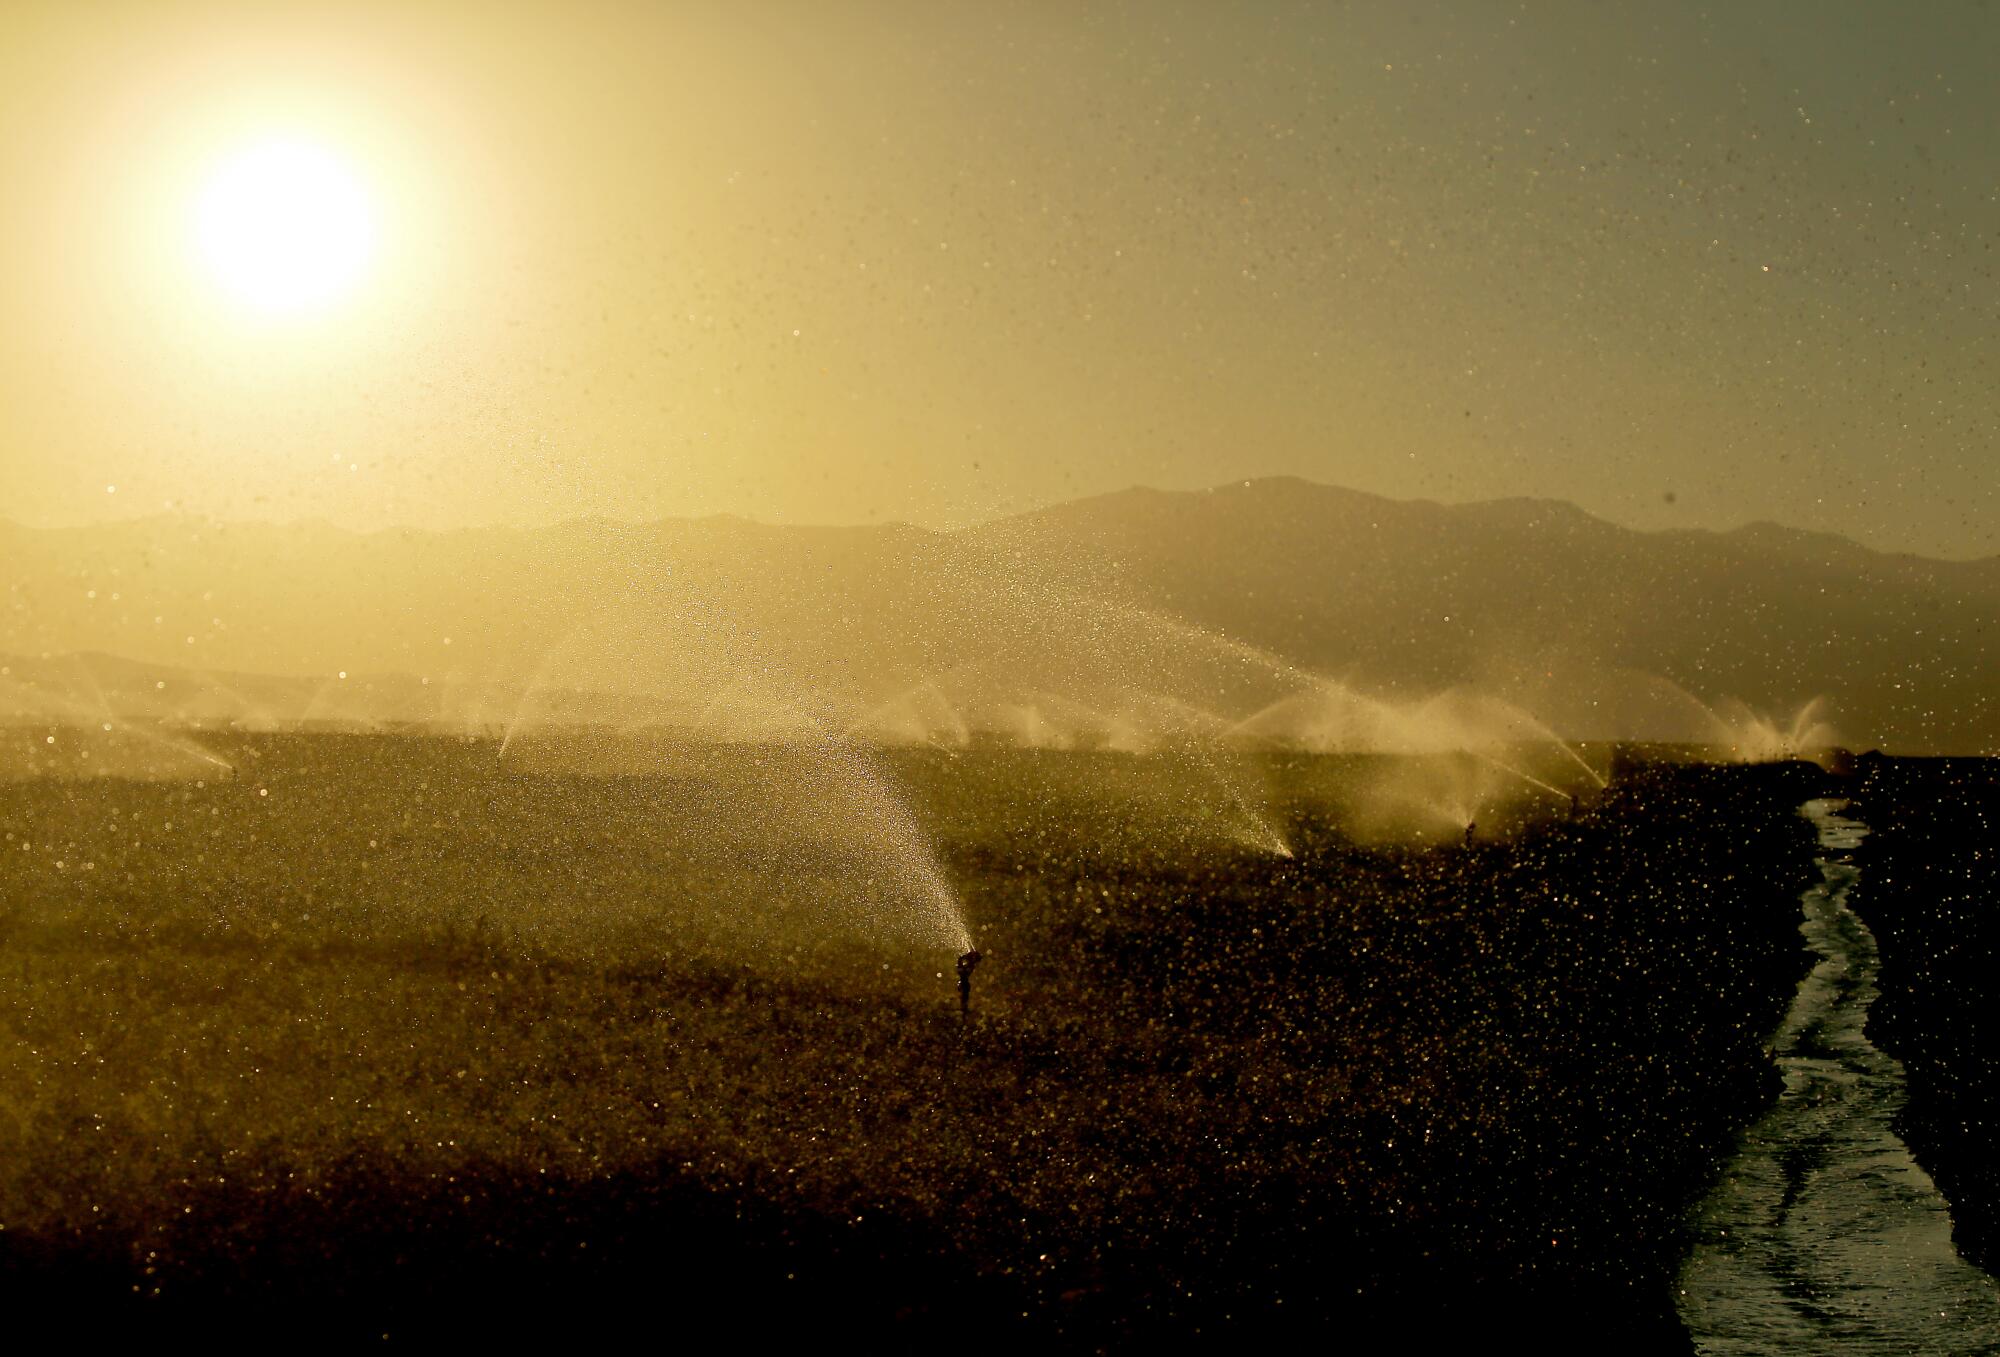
(965, 965)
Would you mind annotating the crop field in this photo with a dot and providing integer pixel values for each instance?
(429, 1042)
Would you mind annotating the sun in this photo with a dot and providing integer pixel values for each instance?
(284, 226)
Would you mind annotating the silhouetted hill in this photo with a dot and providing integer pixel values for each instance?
(1416, 595)
(1583, 621)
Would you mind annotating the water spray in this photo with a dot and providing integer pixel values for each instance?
(1528, 778)
(965, 966)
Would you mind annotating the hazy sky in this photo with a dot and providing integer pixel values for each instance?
(1683, 264)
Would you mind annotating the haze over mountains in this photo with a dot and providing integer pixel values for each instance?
(1599, 630)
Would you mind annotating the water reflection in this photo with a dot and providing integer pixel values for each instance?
(1824, 1234)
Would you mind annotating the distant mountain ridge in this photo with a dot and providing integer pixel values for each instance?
(1535, 598)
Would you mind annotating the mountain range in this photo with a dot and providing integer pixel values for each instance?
(1217, 598)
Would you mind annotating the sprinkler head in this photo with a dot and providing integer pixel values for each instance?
(965, 965)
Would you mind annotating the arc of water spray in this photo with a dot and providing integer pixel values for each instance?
(314, 707)
(535, 681)
(904, 838)
(1386, 717)
(106, 716)
(1528, 778)
(1725, 736)
(247, 709)
(1541, 728)
(928, 685)
(844, 764)
(1278, 665)
(1262, 832)
(1755, 735)
(1404, 722)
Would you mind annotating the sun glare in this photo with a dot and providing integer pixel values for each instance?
(284, 226)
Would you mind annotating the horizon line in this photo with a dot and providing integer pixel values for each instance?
(171, 514)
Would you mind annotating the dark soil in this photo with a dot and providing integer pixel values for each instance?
(1930, 891)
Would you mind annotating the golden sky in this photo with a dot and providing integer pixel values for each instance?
(862, 261)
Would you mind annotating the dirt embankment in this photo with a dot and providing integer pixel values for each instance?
(1930, 891)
